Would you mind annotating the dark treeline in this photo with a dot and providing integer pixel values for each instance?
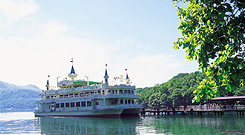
(177, 91)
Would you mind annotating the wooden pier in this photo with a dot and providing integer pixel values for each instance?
(195, 110)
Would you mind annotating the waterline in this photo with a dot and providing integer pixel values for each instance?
(26, 123)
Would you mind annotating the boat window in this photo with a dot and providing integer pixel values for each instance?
(57, 105)
(128, 91)
(132, 101)
(89, 103)
(126, 101)
(61, 96)
(125, 91)
(67, 104)
(121, 101)
(83, 103)
(81, 94)
(132, 91)
(62, 105)
(52, 97)
(47, 96)
(72, 104)
(77, 104)
(76, 95)
(121, 91)
(66, 96)
(71, 95)
(129, 101)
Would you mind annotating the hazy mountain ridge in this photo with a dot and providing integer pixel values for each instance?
(18, 98)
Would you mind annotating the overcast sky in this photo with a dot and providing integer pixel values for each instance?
(39, 38)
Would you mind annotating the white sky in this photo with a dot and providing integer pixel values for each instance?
(39, 38)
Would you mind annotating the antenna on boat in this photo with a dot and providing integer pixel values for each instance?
(57, 80)
(87, 80)
(106, 75)
(72, 74)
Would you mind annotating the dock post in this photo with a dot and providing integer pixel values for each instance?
(191, 111)
(183, 113)
(158, 111)
(173, 110)
(143, 111)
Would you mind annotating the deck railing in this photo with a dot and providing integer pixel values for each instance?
(90, 97)
(203, 108)
(121, 106)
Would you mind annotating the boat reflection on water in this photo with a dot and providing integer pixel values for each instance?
(84, 126)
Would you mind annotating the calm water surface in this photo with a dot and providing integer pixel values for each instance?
(26, 123)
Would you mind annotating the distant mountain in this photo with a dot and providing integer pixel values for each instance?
(18, 98)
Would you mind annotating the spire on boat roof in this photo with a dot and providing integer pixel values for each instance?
(72, 70)
(106, 75)
(127, 78)
(106, 72)
(47, 85)
(72, 73)
(126, 75)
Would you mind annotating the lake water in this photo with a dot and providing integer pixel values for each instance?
(26, 123)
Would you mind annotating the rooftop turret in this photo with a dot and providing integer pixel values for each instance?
(106, 75)
(72, 74)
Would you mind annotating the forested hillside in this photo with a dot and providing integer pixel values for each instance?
(18, 98)
(176, 91)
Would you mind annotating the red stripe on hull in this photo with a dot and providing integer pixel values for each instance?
(95, 116)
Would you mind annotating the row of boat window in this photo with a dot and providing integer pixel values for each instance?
(91, 93)
(89, 103)
(74, 104)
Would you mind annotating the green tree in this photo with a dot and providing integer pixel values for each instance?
(177, 91)
(154, 100)
(213, 34)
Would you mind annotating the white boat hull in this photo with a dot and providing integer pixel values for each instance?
(87, 113)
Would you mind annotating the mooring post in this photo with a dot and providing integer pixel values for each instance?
(173, 110)
(143, 111)
(191, 111)
(183, 113)
(158, 111)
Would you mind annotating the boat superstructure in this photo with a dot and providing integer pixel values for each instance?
(79, 98)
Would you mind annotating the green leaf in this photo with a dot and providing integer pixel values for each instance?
(209, 23)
